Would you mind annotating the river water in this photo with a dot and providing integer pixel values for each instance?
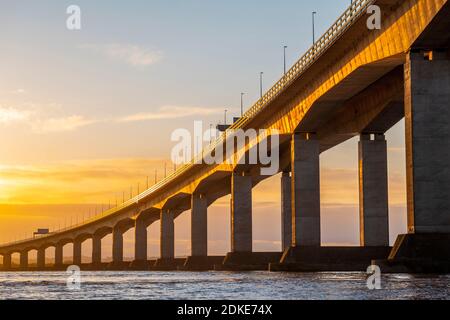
(221, 285)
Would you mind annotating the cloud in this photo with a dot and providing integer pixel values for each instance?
(12, 115)
(34, 117)
(81, 181)
(170, 112)
(31, 115)
(133, 55)
(18, 91)
(63, 124)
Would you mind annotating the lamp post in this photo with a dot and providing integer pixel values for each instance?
(261, 84)
(313, 28)
(242, 104)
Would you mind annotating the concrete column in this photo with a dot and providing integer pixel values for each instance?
(140, 240)
(199, 225)
(7, 261)
(59, 255)
(286, 211)
(305, 190)
(117, 251)
(373, 191)
(24, 259)
(241, 213)
(167, 241)
(77, 252)
(96, 249)
(41, 258)
(427, 118)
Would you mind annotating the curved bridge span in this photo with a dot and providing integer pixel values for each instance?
(355, 81)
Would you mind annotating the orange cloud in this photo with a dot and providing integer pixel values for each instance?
(89, 181)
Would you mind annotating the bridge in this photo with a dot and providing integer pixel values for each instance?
(354, 81)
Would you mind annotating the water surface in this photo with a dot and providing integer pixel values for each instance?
(221, 285)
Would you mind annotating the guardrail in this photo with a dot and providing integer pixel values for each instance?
(357, 8)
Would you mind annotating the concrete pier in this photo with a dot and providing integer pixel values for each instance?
(242, 257)
(167, 235)
(140, 241)
(327, 259)
(24, 260)
(77, 252)
(305, 190)
(427, 116)
(248, 261)
(41, 258)
(205, 263)
(7, 261)
(373, 191)
(286, 211)
(117, 251)
(96, 249)
(167, 261)
(199, 226)
(241, 213)
(59, 255)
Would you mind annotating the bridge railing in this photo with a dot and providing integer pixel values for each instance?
(358, 8)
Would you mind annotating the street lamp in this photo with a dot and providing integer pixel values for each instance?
(261, 84)
(284, 58)
(313, 28)
(242, 104)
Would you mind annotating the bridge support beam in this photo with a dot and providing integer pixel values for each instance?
(77, 252)
(427, 120)
(59, 255)
(7, 261)
(140, 241)
(24, 260)
(305, 248)
(41, 258)
(241, 213)
(117, 249)
(167, 240)
(199, 225)
(242, 256)
(199, 260)
(305, 190)
(373, 191)
(167, 259)
(427, 114)
(96, 250)
(286, 211)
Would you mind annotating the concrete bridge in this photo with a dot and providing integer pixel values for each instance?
(353, 82)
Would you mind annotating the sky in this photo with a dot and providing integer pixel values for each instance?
(87, 114)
